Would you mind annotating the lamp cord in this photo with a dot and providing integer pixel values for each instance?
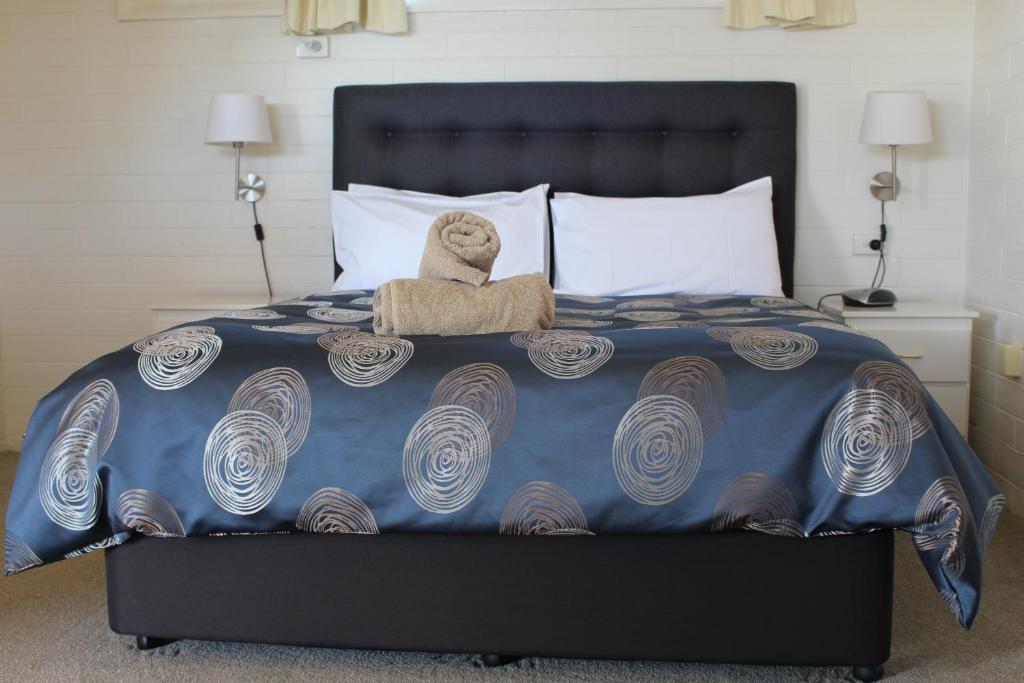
(258, 229)
(876, 282)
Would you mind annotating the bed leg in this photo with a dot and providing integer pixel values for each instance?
(868, 674)
(149, 642)
(497, 660)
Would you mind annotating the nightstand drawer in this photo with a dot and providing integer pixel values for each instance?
(935, 355)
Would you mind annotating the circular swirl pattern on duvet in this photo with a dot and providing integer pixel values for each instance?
(724, 334)
(244, 462)
(339, 315)
(772, 301)
(484, 388)
(670, 324)
(362, 301)
(693, 379)
(899, 383)
(649, 316)
(647, 303)
(328, 340)
(657, 450)
(17, 555)
(573, 322)
(568, 355)
(590, 312)
(866, 442)
(771, 348)
(253, 314)
(700, 298)
(727, 310)
(115, 540)
(69, 485)
(540, 508)
(95, 409)
(332, 510)
(941, 522)
(173, 359)
(446, 458)
(759, 502)
(988, 521)
(282, 395)
(304, 328)
(302, 302)
(149, 513)
(360, 359)
(526, 339)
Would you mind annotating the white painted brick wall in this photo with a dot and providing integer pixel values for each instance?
(110, 201)
(995, 238)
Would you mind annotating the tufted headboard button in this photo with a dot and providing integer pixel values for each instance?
(735, 133)
(593, 133)
(456, 133)
(387, 134)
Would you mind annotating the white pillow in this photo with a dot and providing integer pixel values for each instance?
(706, 244)
(379, 233)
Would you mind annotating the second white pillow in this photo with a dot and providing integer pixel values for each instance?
(706, 244)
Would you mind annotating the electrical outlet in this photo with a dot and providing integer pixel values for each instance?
(314, 47)
(862, 244)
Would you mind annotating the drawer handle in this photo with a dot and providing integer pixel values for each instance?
(909, 356)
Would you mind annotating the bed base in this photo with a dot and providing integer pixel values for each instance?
(734, 597)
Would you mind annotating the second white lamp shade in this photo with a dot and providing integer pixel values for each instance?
(237, 117)
(898, 117)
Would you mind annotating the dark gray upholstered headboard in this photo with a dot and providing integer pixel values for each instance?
(611, 139)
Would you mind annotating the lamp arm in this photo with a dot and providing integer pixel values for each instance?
(895, 183)
(238, 166)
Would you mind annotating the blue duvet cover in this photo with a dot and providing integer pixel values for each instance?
(668, 414)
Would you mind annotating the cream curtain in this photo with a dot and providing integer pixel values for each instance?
(309, 17)
(799, 15)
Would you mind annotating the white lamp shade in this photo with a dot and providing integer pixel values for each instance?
(896, 118)
(238, 118)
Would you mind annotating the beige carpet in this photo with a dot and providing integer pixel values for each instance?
(53, 627)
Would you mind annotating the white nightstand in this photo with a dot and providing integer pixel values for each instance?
(174, 313)
(933, 339)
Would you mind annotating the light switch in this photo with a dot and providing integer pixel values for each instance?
(312, 47)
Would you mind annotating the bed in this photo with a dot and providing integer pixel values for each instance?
(808, 591)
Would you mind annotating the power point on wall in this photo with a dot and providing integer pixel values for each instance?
(316, 46)
(1010, 361)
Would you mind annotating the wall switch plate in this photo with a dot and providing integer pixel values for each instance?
(1010, 360)
(312, 47)
(862, 244)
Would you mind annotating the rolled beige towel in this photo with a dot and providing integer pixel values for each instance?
(517, 304)
(460, 246)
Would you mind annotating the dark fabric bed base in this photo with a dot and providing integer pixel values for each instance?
(732, 597)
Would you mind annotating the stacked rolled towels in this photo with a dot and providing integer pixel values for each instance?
(453, 294)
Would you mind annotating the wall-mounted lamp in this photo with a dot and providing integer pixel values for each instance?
(891, 118)
(894, 118)
(236, 119)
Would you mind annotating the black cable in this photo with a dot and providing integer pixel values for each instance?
(881, 265)
(258, 229)
(826, 297)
